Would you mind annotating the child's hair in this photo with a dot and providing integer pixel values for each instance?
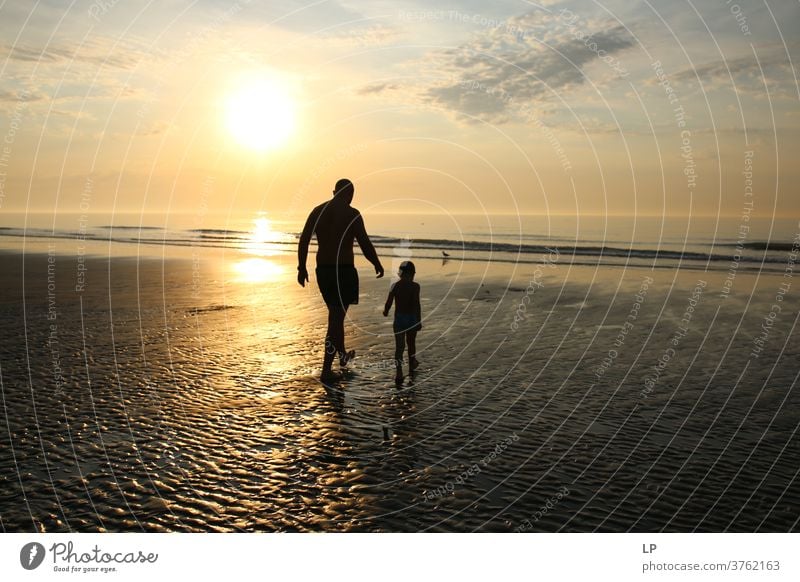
(407, 267)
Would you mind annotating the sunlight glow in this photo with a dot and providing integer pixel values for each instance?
(257, 271)
(260, 113)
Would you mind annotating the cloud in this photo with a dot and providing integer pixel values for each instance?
(301, 16)
(101, 51)
(747, 74)
(155, 129)
(17, 96)
(377, 88)
(522, 62)
(360, 36)
(68, 74)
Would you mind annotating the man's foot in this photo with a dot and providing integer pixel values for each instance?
(329, 377)
(413, 364)
(345, 359)
(398, 377)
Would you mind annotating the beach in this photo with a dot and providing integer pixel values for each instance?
(180, 393)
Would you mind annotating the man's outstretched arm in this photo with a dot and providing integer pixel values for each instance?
(366, 246)
(302, 248)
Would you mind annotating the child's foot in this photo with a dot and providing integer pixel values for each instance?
(329, 377)
(345, 359)
(413, 364)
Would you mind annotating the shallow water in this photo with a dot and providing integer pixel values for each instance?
(192, 407)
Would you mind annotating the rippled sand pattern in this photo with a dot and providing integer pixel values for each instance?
(201, 413)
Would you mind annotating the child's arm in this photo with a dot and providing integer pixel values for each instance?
(417, 306)
(389, 301)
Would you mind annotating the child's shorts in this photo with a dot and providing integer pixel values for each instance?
(404, 322)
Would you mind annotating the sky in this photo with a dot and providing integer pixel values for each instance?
(618, 107)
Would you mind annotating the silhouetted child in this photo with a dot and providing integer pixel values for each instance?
(407, 317)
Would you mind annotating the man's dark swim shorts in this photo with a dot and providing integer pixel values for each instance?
(338, 284)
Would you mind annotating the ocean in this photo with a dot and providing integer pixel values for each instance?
(649, 241)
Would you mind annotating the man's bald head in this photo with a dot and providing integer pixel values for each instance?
(344, 188)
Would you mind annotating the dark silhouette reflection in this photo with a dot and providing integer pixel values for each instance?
(335, 394)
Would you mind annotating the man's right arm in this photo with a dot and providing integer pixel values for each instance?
(302, 247)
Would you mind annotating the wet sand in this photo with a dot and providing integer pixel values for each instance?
(180, 395)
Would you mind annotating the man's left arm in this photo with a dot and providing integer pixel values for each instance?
(366, 246)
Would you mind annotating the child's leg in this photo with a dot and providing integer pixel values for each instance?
(399, 348)
(411, 337)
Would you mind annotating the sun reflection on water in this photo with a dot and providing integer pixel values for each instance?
(257, 270)
(264, 240)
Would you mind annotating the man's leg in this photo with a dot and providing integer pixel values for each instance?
(334, 339)
(344, 355)
(339, 329)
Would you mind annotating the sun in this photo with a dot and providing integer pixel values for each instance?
(260, 113)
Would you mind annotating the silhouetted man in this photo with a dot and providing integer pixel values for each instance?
(337, 225)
